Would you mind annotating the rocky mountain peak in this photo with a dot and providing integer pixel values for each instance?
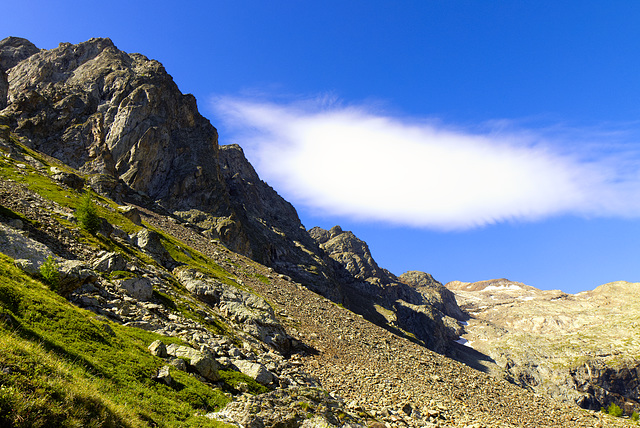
(13, 50)
(349, 251)
(434, 293)
(121, 118)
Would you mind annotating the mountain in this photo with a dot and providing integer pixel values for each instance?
(575, 348)
(150, 278)
(120, 119)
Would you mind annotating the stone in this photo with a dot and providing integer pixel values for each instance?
(17, 246)
(138, 288)
(74, 274)
(131, 213)
(291, 407)
(27, 266)
(110, 262)
(203, 363)
(149, 241)
(256, 371)
(179, 364)
(163, 375)
(251, 312)
(68, 179)
(158, 349)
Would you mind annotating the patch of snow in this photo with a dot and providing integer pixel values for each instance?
(463, 323)
(511, 287)
(463, 341)
(527, 298)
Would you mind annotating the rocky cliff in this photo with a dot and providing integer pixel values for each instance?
(120, 119)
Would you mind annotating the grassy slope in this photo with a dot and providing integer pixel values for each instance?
(64, 366)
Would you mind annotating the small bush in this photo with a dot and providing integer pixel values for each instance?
(614, 410)
(87, 215)
(50, 272)
(635, 416)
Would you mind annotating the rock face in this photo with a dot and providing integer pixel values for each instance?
(436, 294)
(284, 244)
(103, 111)
(571, 347)
(119, 115)
(414, 303)
(12, 51)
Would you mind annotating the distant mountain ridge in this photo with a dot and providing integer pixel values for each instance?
(575, 348)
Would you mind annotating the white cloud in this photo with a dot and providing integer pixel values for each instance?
(354, 162)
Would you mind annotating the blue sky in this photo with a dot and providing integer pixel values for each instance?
(469, 139)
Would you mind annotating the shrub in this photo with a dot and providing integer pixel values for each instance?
(49, 272)
(635, 416)
(614, 410)
(87, 215)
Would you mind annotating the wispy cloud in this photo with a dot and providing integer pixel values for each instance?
(356, 162)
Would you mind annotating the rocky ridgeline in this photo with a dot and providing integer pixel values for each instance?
(183, 214)
(414, 303)
(575, 348)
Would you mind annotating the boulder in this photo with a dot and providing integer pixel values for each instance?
(17, 246)
(163, 376)
(179, 364)
(67, 178)
(256, 371)
(202, 362)
(74, 274)
(202, 287)
(158, 349)
(132, 213)
(138, 288)
(149, 242)
(109, 262)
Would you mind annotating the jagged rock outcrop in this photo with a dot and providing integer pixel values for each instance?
(248, 310)
(434, 293)
(411, 304)
(12, 51)
(278, 237)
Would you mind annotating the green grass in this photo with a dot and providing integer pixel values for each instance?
(233, 378)
(263, 279)
(60, 366)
